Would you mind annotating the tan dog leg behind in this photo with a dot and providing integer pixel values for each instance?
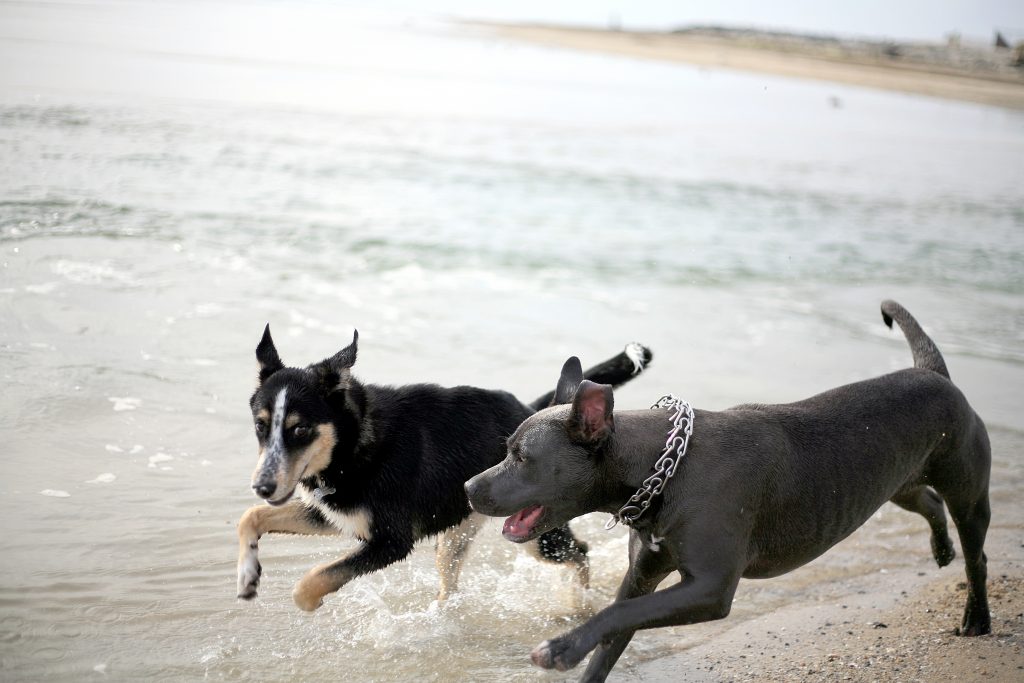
(451, 553)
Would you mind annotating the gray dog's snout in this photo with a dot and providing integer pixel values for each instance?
(478, 493)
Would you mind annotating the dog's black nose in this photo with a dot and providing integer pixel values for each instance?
(265, 489)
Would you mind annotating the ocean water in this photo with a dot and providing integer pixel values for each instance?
(174, 176)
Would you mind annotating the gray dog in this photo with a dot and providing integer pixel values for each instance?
(762, 489)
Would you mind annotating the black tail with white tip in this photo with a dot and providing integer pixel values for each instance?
(615, 371)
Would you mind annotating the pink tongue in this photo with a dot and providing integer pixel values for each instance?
(520, 524)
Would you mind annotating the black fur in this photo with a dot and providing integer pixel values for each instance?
(402, 453)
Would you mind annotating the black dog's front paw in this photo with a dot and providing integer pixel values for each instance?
(561, 653)
(249, 573)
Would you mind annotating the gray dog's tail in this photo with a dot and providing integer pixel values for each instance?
(615, 371)
(926, 353)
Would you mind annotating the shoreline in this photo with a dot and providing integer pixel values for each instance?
(923, 70)
(882, 627)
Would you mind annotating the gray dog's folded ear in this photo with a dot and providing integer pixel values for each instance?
(591, 420)
(334, 373)
(568, 382)
(266, 356)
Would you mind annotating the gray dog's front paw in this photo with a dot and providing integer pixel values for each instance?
(559, 653)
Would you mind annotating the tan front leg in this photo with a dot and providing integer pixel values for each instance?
(292, 518)
(451, 553)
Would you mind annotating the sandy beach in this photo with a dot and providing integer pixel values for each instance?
(897, 626)
(966, 73)
(177, 175)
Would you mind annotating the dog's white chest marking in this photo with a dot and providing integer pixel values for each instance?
(354, 523)
(655, 543)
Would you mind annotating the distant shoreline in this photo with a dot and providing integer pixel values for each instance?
(971, 74)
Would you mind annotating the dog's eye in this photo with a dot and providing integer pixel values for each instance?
(261, 427)
(519, 457)
(300, 431)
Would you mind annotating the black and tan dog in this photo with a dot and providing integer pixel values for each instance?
(383, 464)
(762, 490)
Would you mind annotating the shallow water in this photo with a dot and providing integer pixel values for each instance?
(173, 177)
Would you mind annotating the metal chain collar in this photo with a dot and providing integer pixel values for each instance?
(666, 465)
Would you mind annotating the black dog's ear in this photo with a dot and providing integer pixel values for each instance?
(591, 420)
(334, 372)
(569, 382)
(266, 356)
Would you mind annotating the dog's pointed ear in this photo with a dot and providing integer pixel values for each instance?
(266, 356)
(334, 373)
(591, 420)
(569, 382)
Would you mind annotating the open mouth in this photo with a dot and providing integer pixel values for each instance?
(521, 526)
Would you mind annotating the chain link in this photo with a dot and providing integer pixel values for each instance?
(666, 465)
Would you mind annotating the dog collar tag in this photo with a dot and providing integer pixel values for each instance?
(322, 491)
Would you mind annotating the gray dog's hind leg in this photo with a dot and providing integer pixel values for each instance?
(967, 500)
(971, 519)
(928, 504)
(646, 570)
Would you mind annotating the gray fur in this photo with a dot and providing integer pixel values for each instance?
(762, 490)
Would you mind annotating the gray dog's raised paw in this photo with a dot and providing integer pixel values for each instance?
(542, 656)
(556, 654)
(943, 550)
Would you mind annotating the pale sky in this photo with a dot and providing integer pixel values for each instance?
(903, 19)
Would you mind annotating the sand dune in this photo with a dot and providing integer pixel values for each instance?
(973, 74)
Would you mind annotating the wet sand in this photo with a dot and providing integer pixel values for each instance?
(883, 627)
(958, 73)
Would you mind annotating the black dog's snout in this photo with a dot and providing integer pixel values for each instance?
(265, 489)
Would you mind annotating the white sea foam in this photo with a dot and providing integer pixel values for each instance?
(82, 272)
(125, 403)
(55, 493)
(105, 478)
(114, 448)
(158, 458)
(44, 288)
